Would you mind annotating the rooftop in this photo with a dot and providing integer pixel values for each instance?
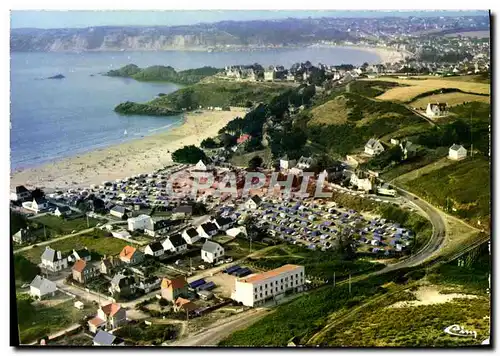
(270, 274)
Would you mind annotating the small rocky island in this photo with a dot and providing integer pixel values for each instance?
(58, 76)
(131, 108)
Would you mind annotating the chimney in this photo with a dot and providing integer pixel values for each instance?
(59, 257)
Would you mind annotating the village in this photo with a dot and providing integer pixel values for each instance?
(189, 254)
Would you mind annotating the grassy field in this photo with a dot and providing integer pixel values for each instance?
(321, 264)
(332, 112)
(461, 188)
(38, 321)
(416, 326)
(61, 226)
(416, 87)
(97, 245)
(451, 99)
(305, 315)
(140, 334)
(239, 248)
(423, 325)
(478, 34)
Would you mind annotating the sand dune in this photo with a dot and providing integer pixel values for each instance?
(115, 162)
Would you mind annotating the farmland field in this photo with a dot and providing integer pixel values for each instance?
(478, 34)
(100, 245)
(416, 87)
(451, 99)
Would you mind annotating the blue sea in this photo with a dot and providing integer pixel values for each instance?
(57, 118)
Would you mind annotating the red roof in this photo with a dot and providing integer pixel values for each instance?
(243, 138)
(178, 283)
(79, 265)
(111, 309)
(128, 252)
(270, 274)
(96, 321)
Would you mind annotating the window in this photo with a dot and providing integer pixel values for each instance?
(261, 295)
(260, 287)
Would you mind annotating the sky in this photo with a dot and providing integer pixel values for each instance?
(75, 19)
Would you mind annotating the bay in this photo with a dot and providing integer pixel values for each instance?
(57, 118)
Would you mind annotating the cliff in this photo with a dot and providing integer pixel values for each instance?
(224, 34)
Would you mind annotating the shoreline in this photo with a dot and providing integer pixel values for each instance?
(142, 155)
(385, 54)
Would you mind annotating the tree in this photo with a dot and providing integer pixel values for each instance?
(199, 208)
(188, 154)
(24, 269)
(17, 222)
(37, 193)
(209, 143)
(255, 163)
(346, 245)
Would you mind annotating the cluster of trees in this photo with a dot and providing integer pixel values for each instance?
(24, 269)
(189, 154)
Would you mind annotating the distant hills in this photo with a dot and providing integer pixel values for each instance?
(201, 36)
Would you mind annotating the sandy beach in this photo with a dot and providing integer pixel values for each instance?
(116, 162)
(386, 54)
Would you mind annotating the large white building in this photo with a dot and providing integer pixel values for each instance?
(259, 288)
(140, 222)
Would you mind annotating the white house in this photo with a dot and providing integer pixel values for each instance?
(139, 223)
(190, 235)
(373, 147)
(362, 183)
(175, 244)
(271, 285)
(457, 152)
(286, 163)
(20, 193)
(211, 252)
(223, 223)
(436, 109)
(157, 228)
(41, 287)
(253, 202)
(200, 166)
(207, 230)
(53, 260)
(154, 249)
(62, 211)
(304, 162)
(235, 231)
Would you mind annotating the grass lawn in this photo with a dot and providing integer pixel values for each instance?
(62, 226)
(35, 322)
(461, 189)
(239, 248)
(100, 245)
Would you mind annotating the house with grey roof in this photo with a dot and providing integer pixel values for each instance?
(122, 285)
(118, 211)
(53, 260)
(154, 249)
(207, 230)
(103, 338)
(304, 162)
(211, 252)
(81, 254)
(41, 287)
(457, 152)
(373, 147)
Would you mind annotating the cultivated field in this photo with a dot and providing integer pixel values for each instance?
(420, 86)
(451, 99)
(478, 34)
(333, 112)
